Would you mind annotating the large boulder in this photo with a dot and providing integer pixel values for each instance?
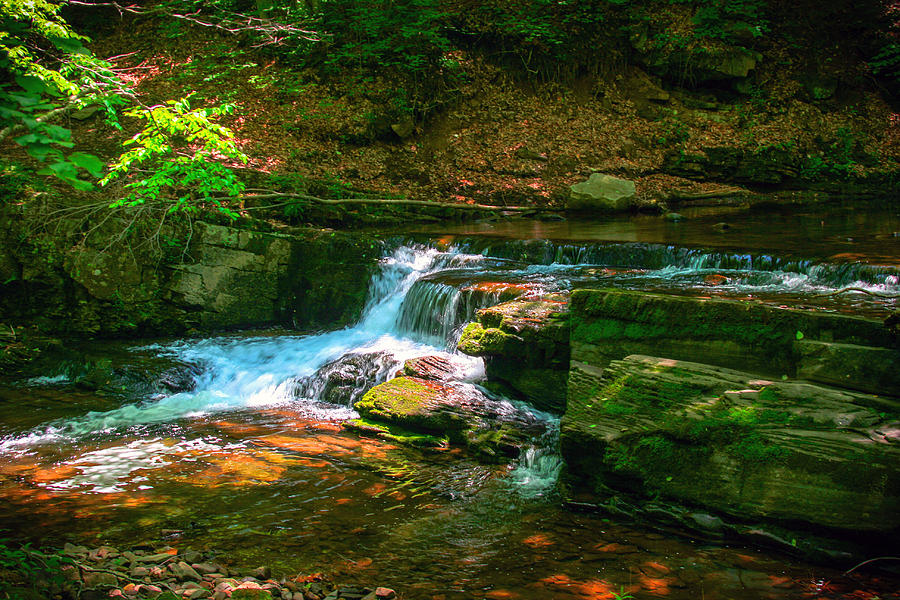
(525, 343)
(239, 278)
(735, 444)
(460, 413)
(230, 266)
(601, 193)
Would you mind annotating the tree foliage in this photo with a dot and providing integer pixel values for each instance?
(45, 70)
(180, 154)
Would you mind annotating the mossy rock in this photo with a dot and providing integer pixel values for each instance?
(526, 345)
(395, 433)
(418, 411)
(611, 324)
(734, 443)
(477, 340)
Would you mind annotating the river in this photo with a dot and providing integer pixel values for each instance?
(236, 448)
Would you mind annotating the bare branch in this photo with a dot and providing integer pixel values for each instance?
(5, 133)
(382, 202)
(274, 32)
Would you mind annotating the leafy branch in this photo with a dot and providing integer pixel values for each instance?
(180, 152)
(49, 72)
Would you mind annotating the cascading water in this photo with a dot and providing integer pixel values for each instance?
(317, 376)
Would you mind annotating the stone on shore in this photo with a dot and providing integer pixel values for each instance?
(601, 193)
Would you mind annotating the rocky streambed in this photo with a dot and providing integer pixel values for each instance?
(161, 573)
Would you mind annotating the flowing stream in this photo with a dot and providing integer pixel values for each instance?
(236, 444)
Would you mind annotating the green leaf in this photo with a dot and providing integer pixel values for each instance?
(80, 184)
(68, 44)
(799, 335)
(32, 84)
(88, 162)
(64, 169)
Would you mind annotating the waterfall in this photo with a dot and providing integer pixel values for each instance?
(238, 372)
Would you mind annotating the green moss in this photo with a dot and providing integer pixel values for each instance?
(477, 340)
(396, 433)
(399, 397)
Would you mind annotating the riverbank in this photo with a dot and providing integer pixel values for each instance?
(161, 573)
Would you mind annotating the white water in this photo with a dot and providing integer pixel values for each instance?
(240, 373)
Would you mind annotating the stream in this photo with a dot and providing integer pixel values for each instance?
(235, 443)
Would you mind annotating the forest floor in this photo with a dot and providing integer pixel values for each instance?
(501, 139)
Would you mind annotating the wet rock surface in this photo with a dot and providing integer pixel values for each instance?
(344, 380)
(438, 368)
(734, 443)
(525, 344)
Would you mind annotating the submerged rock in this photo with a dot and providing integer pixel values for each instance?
(525, 344)
(461, 413)
(733, 443)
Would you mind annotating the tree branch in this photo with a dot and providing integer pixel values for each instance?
(5, 133)
(383, 201)
(233, 23)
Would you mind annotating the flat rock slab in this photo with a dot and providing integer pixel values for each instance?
(734, 443)
(611, 324)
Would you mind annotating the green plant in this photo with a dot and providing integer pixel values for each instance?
(31, 568)
(622, 594)
(180, 157)
(46, 71)
(886, 63)
(672, 132)
(839, 159)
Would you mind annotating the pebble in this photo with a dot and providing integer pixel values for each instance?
(206, 568)
(138, 572)
(153, 558)
(184, 571)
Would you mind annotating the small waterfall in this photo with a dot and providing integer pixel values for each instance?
(237, 372)
(656, 257)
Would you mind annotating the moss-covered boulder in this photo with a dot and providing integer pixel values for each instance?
(733, 443)
(459, 413)
(525, 344)
(611, 324)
